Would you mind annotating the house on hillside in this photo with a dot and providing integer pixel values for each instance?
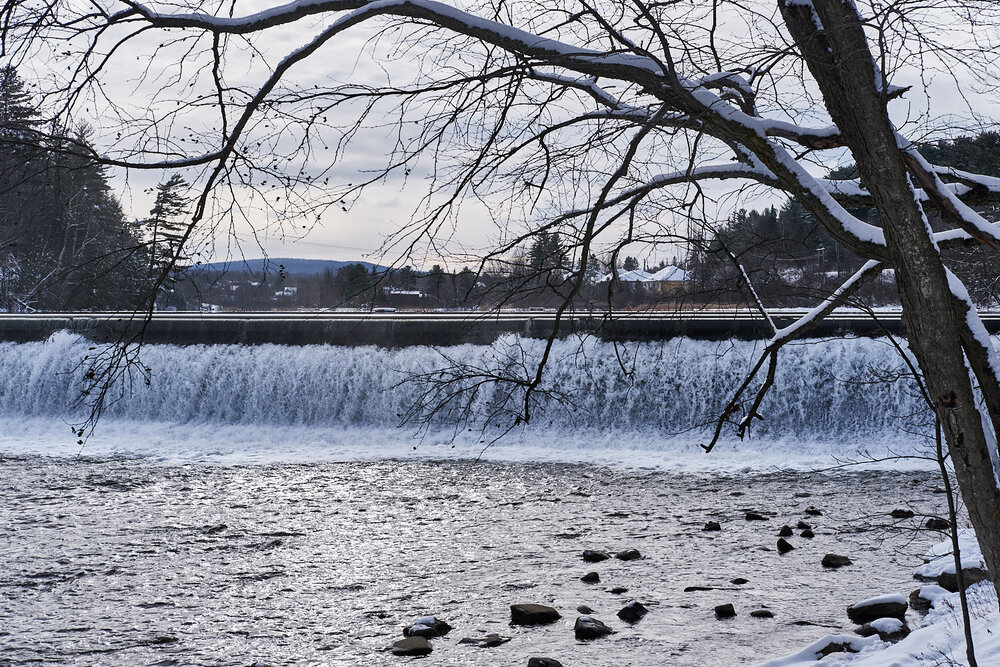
(666, 280)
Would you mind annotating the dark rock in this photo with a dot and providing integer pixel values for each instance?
(591, 556)
(695, 589)
(970, 575)
(808, 534)
(590, 578)
(835, 647)
(428, 627)
(632, 612)
(739, 581)
(784, 546)
(834, 561)
(587, 627)
(412, 646)
(711, 525)
(725, 611)
(532, 614)
(812, 511)
(754, 516)
(544, 662)
(491, 640)
(862, 613)
(618, 590)
(935, 523)
(762, 613)
(628, 554)
(802, 525)
(584, 609)
(901, 514)
(786, 531)
(215, 530)
(887, 629)
(918, 603)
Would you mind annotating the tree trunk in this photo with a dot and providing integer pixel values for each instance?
(839, 59)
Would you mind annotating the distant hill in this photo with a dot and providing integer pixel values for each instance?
(274, 265)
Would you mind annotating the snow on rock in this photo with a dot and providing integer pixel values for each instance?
(886, 625)
(822, 648)
(941, 561)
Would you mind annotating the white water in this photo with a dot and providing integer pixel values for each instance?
(277, 403)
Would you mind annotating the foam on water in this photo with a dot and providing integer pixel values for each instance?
(232, 403)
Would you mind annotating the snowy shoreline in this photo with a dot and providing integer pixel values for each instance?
(939, 639)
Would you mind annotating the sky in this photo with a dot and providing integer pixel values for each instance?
(361, 231)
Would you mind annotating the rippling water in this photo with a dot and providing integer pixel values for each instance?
(127, 562)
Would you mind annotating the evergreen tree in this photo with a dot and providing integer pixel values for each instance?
(166, 226)
(631, 264)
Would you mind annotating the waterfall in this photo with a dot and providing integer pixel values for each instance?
(661, 393)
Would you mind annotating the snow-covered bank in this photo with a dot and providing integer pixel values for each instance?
(940, 638)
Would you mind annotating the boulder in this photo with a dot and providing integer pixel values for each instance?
(887, 629)
(784, 546)
(922, 598)
(695, 589)
(411, 646)
(584, 609)
(544, 662)
(835, 561)
(628, 554)
(901, 514)
(725, 611)
(618, 590)
(491, 640)
(762, 613)
(802, 525)
(970, 575)
(532, 614)
(936, 523)
(812, 511)
(427, 626)
(587, 627)
(591, 556)
(786, 531)
(590, 578)
(633, 612)
(807, 533)
(754, 516)
(884, 606)
(739, 581)
(711, 526)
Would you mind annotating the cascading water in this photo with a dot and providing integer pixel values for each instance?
(671, 392)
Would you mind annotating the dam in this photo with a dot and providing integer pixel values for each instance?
(402, 329)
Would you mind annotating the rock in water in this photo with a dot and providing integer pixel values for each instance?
(970, 575)
(935, 523)
(591, 556)
(544, 662)
(901, 514)
(835, 561)
(618, 590)
(489, 641)
(587, 627)
(762, 613)
(887, 629)
(812, 511)
(754, 516)
(584, 609)
(786, 531)
(711, 526)
(808, 534)
(532, 614)
(739, 581)
(427, 626)
(590, 578)
(883, 606)
(412, 646)
(628, 554)
(802, 525)
(633, 612)
(784, 546)
(725, 611)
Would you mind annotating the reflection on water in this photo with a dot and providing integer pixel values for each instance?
(119, 562)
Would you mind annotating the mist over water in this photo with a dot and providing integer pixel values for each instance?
(661, 397)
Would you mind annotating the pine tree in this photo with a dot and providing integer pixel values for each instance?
(165, 224)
